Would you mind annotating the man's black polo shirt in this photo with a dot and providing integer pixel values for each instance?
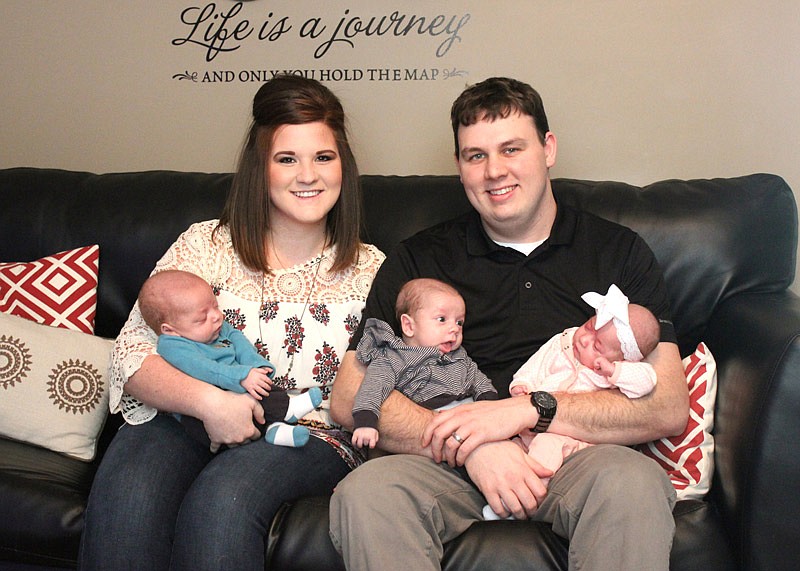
(516, 303)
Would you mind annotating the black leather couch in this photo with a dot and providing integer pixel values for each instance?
(727, 247)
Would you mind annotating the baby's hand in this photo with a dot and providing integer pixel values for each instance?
(603, 366)
(365, 436)
(519, 391)
(258, 383)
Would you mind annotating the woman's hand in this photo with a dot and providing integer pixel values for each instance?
(228, 418)
(455, 433)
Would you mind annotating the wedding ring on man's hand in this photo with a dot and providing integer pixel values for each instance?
(457, 438)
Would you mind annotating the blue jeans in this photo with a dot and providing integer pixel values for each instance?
(160, 500)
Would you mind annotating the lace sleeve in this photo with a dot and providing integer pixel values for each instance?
(194, 251)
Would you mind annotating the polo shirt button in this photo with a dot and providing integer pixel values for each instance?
(528, 285)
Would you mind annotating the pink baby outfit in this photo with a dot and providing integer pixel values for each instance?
(554, 368)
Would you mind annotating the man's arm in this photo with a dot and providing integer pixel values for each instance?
(605, 416)
(601, 416)
(507, 477)
(611, 417)
(402, 421)
(228, 417)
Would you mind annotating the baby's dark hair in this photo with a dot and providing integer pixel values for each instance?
(412, 294)
(646, 328)
(158, 296)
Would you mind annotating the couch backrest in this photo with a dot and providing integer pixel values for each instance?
(713, 238)
(134, 217)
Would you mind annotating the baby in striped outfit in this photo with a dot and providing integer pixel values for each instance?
(427, 364)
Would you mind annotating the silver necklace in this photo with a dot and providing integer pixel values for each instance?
(318, 262)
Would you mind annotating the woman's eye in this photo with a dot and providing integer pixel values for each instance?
(325, 158)
(286, 160)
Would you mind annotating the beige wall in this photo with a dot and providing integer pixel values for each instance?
(636, 90)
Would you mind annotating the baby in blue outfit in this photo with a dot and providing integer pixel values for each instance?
(194, 337)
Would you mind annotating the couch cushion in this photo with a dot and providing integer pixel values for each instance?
(714, 238)
(298, 540)
(47, 493)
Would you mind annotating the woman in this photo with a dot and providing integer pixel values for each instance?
(291, 273)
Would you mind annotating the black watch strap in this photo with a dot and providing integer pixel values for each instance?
(545, 404)
(543, 424)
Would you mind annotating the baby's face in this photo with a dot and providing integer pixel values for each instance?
(589, 343)
(438, 323)
(200, 318)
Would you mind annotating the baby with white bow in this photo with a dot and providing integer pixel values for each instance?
(603, 353)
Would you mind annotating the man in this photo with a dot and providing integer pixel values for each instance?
(521, 261)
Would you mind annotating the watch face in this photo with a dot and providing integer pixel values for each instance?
(545, 400)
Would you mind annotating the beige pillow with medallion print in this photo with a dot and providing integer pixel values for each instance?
(53, 386)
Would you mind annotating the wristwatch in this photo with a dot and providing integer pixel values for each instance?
(545, 404)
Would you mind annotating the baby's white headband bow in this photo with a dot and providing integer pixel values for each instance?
(614, 306)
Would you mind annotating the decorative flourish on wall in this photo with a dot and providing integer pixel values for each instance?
(448, 73)
(186, 75)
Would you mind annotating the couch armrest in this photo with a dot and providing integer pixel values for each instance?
(755, 339)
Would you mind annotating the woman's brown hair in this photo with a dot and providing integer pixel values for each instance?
(290, 100)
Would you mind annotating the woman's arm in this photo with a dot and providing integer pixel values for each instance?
(199, 361)
(228, 417)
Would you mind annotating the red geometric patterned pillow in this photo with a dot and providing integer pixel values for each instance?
(59, 290)
(689, 458)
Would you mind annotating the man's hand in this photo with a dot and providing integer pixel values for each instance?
(475, 424)
(257, 382)
(508, 478)
(229, 418)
